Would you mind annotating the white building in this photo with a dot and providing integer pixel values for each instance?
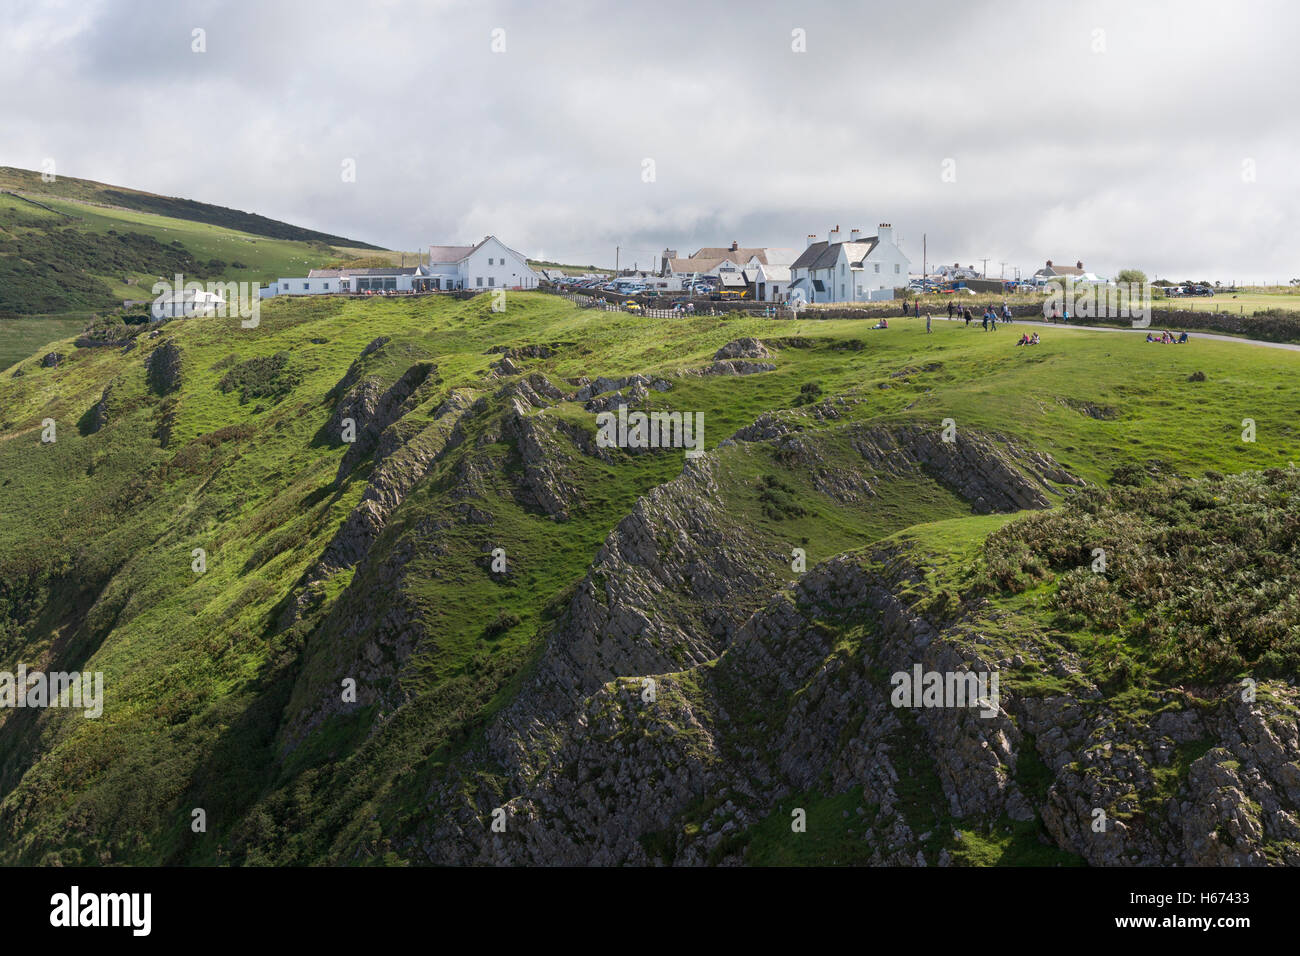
(725, 262)
(849, 269)
(185, 304)
(769, 282)
(488, 265)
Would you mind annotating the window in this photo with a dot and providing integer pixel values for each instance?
(841, 272)
(478, 281)
(306, 286)
(489, 260)
(895, 268)
(877, 267)
(492, 280)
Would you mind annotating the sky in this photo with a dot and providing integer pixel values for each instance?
(1157, 136)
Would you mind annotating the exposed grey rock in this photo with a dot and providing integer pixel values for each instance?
(749, 348)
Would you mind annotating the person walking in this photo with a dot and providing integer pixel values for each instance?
(950, 310)
(927, 323)
(986, 320)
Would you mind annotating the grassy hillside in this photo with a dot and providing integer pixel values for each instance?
(29, 182)
(72, 248)
(64, 256)
(223, 686)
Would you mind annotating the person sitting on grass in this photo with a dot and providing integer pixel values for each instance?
(1025, 340)
(1182, 338)
(1150, 337)
(882, 324)
(1034, 340)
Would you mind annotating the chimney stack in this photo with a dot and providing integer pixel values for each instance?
(855, 235)
(1079, 265)
(811, 240)
(834, 235)
(885, 232)
(734, 245)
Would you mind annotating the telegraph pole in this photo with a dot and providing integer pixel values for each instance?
(616, 260)
(985, 271)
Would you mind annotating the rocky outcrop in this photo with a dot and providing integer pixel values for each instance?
(601, 385)
(546, 486)
(373, 409)
(99, 413)
(671, 591)
(357, 368)
(790, 707)
(748, 348)
(733, 367)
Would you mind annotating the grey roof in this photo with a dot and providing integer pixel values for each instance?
(823, 255)
(392, 271)
(342, 273)
(771, 273)
(450, 253)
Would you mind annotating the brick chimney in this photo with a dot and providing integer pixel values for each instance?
(734, 245)
(1079, 265)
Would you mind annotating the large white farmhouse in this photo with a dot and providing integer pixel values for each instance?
(490, 264)
(849, 269)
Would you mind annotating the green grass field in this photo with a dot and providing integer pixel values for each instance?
(19, 338)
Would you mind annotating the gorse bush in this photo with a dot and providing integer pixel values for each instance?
(1202, 576)
(266, 376)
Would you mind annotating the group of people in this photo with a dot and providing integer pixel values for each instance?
(1167, 338)
(1028, 339)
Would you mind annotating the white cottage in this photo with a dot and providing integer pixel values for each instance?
(849, 269)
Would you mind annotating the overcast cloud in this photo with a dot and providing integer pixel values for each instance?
(1119, 134)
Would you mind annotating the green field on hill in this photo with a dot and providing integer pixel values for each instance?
(216, 689)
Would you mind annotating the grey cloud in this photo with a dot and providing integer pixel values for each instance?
(1131, 156)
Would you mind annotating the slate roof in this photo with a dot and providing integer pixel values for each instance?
(823, 255)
